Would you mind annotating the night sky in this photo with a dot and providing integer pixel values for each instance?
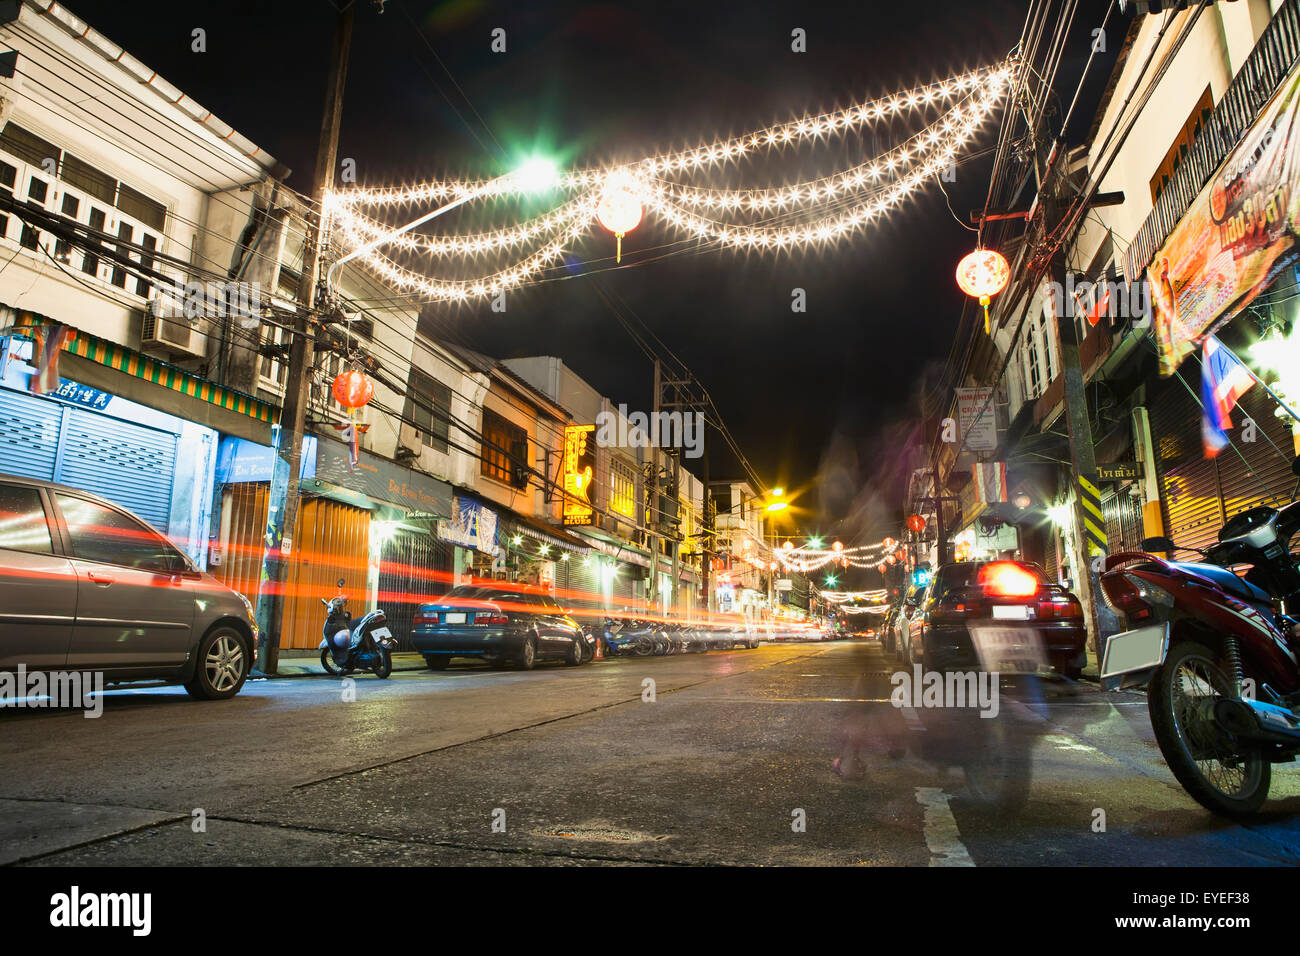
(821, 400)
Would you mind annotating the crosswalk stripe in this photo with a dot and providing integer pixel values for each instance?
(941, 833)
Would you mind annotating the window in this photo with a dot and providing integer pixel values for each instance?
(111, 537)
(428, 405)
(22, 520)
(622, 488)
(8, 176)
(90, 263)
(89, 179)
(140, 207)
(28, 147)
(505, 450)
(1182, 145)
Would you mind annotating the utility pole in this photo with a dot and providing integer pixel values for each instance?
(652, 586)
(282, 510)
(706, 565)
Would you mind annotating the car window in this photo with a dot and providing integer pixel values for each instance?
(22, 520)
(102, 534)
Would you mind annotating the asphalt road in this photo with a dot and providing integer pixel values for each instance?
(732, 762)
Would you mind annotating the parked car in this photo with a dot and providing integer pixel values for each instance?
(1004, 598)
(88, 586)
(498, 624)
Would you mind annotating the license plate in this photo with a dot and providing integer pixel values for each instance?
(1134, 650)
(1011, 612)
(1009, 650)
(380, 633)
(458, 618)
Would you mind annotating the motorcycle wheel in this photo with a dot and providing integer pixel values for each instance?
(643, 647)
(383, 665)
(327, 662)
(1217, 773)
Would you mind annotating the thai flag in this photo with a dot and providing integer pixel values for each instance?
(1223, 380)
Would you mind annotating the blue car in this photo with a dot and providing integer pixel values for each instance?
(498, 623)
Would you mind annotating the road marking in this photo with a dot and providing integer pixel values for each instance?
(941, 833)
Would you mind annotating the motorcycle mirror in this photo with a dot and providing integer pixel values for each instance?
(1158, 543)
(342, 582)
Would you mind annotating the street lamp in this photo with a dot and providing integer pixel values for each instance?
(533, 176)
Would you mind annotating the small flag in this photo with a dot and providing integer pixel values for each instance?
(1223, 381)
(351, 434)
(49, 340)
(1101, 308)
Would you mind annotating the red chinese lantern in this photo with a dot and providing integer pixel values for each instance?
(881, 567)
(900, 554)
(837, 546)
(982, 274)
(619, 211)
(889, 543)
(916, 524)
(353, 388)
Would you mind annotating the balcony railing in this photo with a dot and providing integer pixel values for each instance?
(1254, 85)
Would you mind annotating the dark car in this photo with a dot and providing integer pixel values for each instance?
(498, 624)
(89, 587)
(1022, 622)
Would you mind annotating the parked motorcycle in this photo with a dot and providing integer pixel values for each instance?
(348, 646)
(1216, 653)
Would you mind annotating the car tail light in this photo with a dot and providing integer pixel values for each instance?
(1008, 579)
(492, 617)
(424, 620)
(1060, 606)
(958, 604)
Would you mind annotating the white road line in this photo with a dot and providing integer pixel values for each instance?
(941, 833)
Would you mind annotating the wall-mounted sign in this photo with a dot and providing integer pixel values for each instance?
(381, 479)
(784, 584)
(1119, 471)
(979, 431)
(579, 469)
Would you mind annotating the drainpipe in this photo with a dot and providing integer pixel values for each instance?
(1152, 522)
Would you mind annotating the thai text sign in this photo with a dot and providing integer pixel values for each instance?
(1235, 237)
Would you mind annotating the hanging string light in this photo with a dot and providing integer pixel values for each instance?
(618, 197)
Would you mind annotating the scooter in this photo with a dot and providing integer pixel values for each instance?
(1217, 653)
(348, 646)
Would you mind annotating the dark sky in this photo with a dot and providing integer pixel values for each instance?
(825, 394)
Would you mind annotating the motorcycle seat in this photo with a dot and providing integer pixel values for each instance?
(1237, 587)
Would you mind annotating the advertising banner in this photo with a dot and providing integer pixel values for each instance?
(471, 526)
(1237, 235)
(579, 467)
(980, 434)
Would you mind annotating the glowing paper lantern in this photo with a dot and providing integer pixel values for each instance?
(982, 274)
(619, 211)
(916, 524)
(788, 546)
(353, 388)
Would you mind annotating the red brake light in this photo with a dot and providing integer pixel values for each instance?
(1008, 579)
(491, 618)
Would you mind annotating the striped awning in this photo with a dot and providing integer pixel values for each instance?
(138, 365)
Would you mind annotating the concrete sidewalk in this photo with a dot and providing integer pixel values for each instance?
(299, 663)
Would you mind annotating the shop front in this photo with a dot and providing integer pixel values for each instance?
(153, 463)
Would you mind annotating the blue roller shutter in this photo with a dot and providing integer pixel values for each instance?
(126, 463)
(29, 435)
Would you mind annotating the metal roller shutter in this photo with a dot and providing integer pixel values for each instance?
(414, 568)
(582, 585)
(126, 463)
(29, 435)
(1269, 457)
(1189, 486)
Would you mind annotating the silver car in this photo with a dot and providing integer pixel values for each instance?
(87, 586)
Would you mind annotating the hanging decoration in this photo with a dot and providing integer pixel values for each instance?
(982, 274)
(353, 389)
(675, 189)
(915, 524)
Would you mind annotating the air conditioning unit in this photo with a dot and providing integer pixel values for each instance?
(167, 327)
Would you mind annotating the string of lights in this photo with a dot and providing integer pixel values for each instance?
(617, 196)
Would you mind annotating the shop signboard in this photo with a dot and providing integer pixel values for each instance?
(1236, 236)
(579, 466)
(976, 418)
(382, 480)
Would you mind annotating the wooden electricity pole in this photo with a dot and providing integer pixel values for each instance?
(282, 509)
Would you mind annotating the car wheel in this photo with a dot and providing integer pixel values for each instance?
(575, 656)
(437, 662)
(223, 664)
(528, 654)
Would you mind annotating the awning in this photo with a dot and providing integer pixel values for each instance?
(513, 523)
